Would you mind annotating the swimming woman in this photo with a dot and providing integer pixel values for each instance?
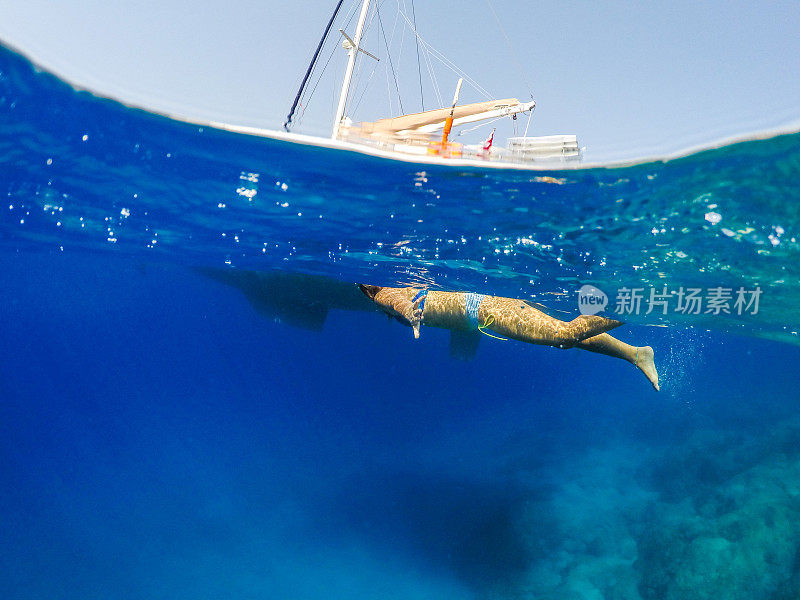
(516, 319)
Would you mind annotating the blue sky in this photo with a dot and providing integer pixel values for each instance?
(630, 79)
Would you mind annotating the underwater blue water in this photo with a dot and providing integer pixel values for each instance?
(174, 425)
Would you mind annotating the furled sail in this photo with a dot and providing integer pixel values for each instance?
(394, 125)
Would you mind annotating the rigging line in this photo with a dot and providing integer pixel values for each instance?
(402, 39)
(479, 125)
(428, 63)
(426, 56)
(389, 55)
(530, 116)
(311, 66)
(366, 87)
(511, 48)
(389, 92)
(458, 71)
(432, 75)
(399, 58)
(419, 67)
(428, 51)
(446, 61)
(389, 95)
(455, 69)
(306, 98)
(356, 103)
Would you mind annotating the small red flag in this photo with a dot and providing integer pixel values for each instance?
(487, 145)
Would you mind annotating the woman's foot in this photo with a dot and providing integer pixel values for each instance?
(644, 361)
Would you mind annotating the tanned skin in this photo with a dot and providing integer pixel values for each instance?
(510, 318)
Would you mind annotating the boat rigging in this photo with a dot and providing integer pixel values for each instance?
(415, 134)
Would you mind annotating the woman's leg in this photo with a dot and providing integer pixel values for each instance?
(641, 356)
(519, 320)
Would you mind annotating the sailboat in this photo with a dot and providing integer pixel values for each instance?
(425, 136)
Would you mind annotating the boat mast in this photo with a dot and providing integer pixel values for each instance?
(311, 67)
(348, 74)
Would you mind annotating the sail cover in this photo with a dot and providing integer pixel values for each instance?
(429, 117)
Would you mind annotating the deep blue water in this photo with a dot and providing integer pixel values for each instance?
(172, 425)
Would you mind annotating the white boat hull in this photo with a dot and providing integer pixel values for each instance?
(499, 158)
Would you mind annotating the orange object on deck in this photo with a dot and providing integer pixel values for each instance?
(448, 127)
(446, 149)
